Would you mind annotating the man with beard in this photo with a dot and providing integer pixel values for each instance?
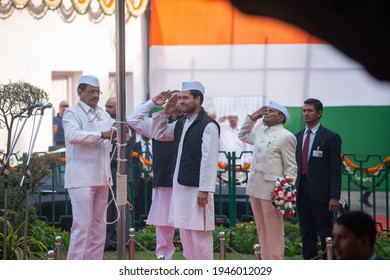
(196, 140)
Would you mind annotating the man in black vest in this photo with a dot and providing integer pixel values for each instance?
(162, 169)
(196, 140)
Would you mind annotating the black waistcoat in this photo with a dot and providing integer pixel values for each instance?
(162, 162)
(189, 170)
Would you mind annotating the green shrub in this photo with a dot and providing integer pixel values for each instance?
(382, 245)
(243, 237)
(15, 243)
(146, 237)
(291, 231)
(47, 235)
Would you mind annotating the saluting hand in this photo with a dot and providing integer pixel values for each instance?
(171, 104)
(162, 97)
(259, 113)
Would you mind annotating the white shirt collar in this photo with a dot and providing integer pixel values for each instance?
(87, 108)
(314, 129)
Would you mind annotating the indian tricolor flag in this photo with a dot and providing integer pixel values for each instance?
(246, 61)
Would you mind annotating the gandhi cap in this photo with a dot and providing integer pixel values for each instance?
(192, 86)
(279, 107)
(89, 80)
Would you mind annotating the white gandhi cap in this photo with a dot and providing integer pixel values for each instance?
(192, 86)
(279, 107)
(89, 80)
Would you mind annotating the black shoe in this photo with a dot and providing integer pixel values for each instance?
(110, 248)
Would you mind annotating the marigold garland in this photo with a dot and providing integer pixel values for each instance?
(147, 162)
(349, 168)
(238, 168)
(12, 168)
(372, 170)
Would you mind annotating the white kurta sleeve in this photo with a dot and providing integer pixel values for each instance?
(288, 149)
(162, 130)
(209, 161)
(246, 135)
(140, 121)
(73, 131)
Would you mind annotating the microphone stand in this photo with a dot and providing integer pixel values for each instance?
(26, 174)
(4, 174)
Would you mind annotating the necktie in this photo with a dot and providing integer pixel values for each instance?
(305, 153)
(147, 150)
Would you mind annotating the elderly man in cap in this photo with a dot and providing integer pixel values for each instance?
(87, 140)
(195, 154)
(273, 157)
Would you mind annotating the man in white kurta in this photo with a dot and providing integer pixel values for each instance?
(87, 140)
(192, 207)
(273, 157)
(161, 194)
(229, 142)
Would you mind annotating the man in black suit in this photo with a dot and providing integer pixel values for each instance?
(112, 212)
(143, 179)
(318, 181)
(354, 237)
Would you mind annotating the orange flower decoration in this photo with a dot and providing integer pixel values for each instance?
(238, 168)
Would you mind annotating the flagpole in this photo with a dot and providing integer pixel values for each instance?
(121, 118)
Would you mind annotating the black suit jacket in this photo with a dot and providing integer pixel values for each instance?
(324, 172)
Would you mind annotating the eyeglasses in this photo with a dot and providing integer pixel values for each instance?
(93, 91)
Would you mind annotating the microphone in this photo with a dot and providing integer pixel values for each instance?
(33, 106)
(47, 105)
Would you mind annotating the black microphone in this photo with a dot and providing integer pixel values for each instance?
(47, 105)
(33, 106)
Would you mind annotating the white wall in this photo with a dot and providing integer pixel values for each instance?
(234, 75)
(31, 49)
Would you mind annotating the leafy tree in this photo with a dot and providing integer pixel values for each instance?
(13, 98)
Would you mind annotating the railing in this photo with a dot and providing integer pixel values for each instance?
(368, 176)
(361, 174)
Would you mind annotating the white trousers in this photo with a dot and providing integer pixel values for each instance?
(197, 245)
(164, 242)
(270, 228)
(88, 232)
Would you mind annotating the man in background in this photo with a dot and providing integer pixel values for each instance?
(229, 142)
(58, 129)
(111, 236)
(354, 237)
(158, 216)
(143, 177)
